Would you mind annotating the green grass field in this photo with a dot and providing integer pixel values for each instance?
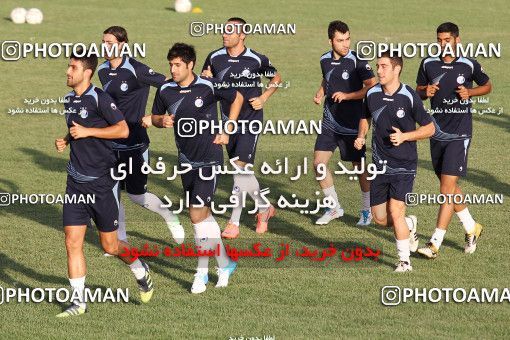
(295, 301)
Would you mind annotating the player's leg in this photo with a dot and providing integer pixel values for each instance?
(75, 220)
(136, 188)
(325, 144)
(121, 231)
(76, 269)
(437, 153)
(350, 154)
(206, 229)
(449, 168)
(379, 196)
(113, 246)
(105, 213)
(244, 147)
(396, 209)
(472, 229)
(364, 183)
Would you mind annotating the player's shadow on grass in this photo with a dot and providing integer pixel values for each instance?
(45, 161)
(44, 214)
(163, 265)
(7, 264)
(476, 177)
(497, 121)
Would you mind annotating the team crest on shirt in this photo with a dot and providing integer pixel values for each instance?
(368, 67)
(345, 75)
(199, 102)
(124, 86)
(246, 72)
(113, 106)
(115, 223)
(83, 113)
(151, 72)
(401, 113)
(461, 79)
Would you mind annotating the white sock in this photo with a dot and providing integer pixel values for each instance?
(153, 203)
(250, 185)
(403, 250)
(78, 286)
(121, 231)
(137, 269)
(202, 241)
(365, 200)
(467, 221)
(236, 211)
(437, 237)
(209, 230)
(331, 192)
(409, 223)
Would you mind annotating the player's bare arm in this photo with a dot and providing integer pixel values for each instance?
(427, 91)
(465, 93)
(163, 121)
(398, 137)
(118, 130)
(258, 102)
(61, 143)
(235, 109)
(364, 126)
(317, 99)
(340, 96)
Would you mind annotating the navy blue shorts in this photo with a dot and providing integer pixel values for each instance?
(384, 187)
(196, 186)
(242, 146)
(329, 141)
(136, 182)
(450, 158)
(104, 211)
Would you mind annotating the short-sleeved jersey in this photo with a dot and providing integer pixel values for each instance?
(402, 110)
(243, 73)
(129, 86)
(91, 157)
(345, 74)
(453, 116)
(190, 105)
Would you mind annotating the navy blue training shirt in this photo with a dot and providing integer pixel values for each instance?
(91, 157)
(345, 74)
(402, 110)
(191, 104)
(129, 86)
(452, 115)
(243, 73)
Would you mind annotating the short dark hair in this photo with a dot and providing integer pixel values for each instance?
(337, 25)
(118, 32)
(89, 61)
(184, 51)
(237, 19)
(394, 59)
(448, 27)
